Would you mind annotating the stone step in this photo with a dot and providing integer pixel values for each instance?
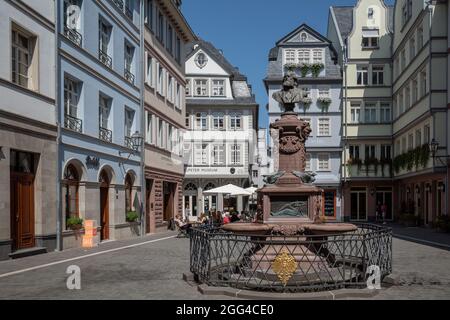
(27, 252)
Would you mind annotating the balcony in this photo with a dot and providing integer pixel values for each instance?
(105, 59)
(73, 123)
(105, 134)
(129, 143)
(74, 36)
(129, 76)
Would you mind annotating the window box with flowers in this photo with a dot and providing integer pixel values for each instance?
(74, 223)
(306, 103)
(132, 217)
(371, 162)
(355, 162)
(316, 68)
(325, 103)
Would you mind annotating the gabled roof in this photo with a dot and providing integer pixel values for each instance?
(215, 54)
(302, 27)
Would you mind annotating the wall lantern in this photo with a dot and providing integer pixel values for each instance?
(417, 189)
(373, 191)
(434, 146)
(137, 141)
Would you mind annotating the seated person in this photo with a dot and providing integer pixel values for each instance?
(183, 226)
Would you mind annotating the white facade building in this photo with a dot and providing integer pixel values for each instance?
(220, 144)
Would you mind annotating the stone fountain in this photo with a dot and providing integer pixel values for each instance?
(290, 205)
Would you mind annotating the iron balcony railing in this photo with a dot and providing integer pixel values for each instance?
(105, 59)
(105, 134)
(73, 35)
(119, 4)
(129, 142)
(73, 123)
(128, 13)
(295, 263)
(129, 76)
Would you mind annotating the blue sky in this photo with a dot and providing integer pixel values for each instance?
(247, 29)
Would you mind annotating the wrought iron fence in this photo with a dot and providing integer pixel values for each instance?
(301, 263)
(105, 59)
(105, 134)
(129, 76)
(73, 35)
(73, 123)
(128, 141)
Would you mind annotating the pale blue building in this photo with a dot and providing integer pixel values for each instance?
(312, 57)
(99, 112)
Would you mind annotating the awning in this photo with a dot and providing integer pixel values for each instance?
(229, 189)
(372, 33)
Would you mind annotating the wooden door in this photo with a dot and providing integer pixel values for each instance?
(104, 205)
(150, 206)
(22, 211)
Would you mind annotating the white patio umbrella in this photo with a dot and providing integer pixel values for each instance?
(252, 190)
(229, 189)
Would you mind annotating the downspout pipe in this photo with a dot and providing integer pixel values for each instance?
(142, 107)
(59, 158)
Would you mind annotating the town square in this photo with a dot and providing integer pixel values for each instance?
(216, 150)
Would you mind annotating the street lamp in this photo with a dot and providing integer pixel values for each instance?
(434, 146)
(136, 141)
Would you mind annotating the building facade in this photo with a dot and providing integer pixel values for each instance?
(263, 157)
(166, 33)
(99, 112)
(420, 113)
(28, 152)
(315, 61)
(220, 145)
(363, 35)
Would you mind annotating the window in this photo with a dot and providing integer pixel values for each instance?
(71, 97)
(407, 97)
(235, 154)
(129, 119)
(169, 145)
(188, 87)
(178, 97)
(385, 113)
(418, 138)
(149, 72)
(149, 14)
(406, 11)
(218, 88)
(317, 56)
(187, 153)
(410, 142)
(169, 42)
(160, 130)
(201, 121)
(358, 204)
(370, 152)
(255, 174)
(415, 91)
(426, 135)
(289, 56)
(423, 83)
(160, 34)
(303, 56)
(104, 38)
(362, 75)
(160, 85)
(22, 57)
(419, 38)
(218, 121)
(178, 49)
(218, 155)
(370, 42)
(188, 121)
(308, 163)
(412, 48)
(104, 111)
(71, 187)
(378, 75)
(385, 153)
(324, 127)
(201, 88)
(201, 154)
(235, 121)
(324, 92)
(403, 60)
(149, 128)
(370, 113)
(401, 102)
(129, 54)
(404, 144)
(323, 162)
(354, 152)
(170, 89)
(72, 22)
(397, 66)
(398, 149)
(355, 113)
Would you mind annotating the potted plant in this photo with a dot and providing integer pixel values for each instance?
(132, 216)
(290, 66)
(74, 223)
(325, 102)
(304, 69)
(316, 68)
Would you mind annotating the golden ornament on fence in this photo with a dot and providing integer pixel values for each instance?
(284, 266)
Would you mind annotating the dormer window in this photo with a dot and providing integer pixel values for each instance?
(370, 38)
(201, 60)
(370, 14)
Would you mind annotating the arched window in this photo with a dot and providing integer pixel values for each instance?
(190, 187)
(128, 193)
(209, 186)
(71, 186)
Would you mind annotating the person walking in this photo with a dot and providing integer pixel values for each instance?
(384, 212)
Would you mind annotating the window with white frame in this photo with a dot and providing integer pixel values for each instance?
(187, 153)
(401, 102)
(404, 144)
(235, 121)
(423, 83)
(407, 97)
(218, 121)
(412, 48)
(149, 128)
(323, 161)
(317, 56)
(128, 123)
(415, 90)
(201, 87)
(218, 154)
(324, 127)
(308, 163)
(362, 75)
(218, 88)
(236, 154)
(304, 56)
(385, 153)
(355, 113)
(410, 141)
(169, 145)
(370, 112)
(170, 88)
(104, 111)
(419, 38)
(403, 59)
(149, 71)
(289, 56)
(418, 138)
(160, 86)
(354, 152)
(22, 57)
(370, 42)
(324, 92)
(188, 87)
(71, 97)
(371, 152)
(201, 154)
(378, 75)
(128, 55)
(160, 133)
(385, 112)
(426, 134)
(303, 37)
(178, 96)
(201, 121)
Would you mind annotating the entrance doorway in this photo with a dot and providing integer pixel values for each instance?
(358, 204)
(169, 200)
(384, 197)
(150, 205)
(190, 201)
(22, 176)
(104, 205)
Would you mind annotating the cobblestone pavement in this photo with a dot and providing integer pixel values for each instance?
(153, 270)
